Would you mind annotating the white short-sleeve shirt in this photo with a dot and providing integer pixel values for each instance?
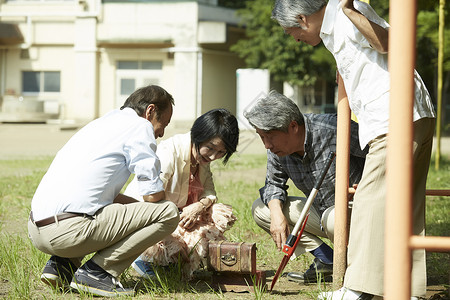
(365, 71)
(91, 169)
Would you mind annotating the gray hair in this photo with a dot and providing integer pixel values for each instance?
(285, 12)
(274, 112)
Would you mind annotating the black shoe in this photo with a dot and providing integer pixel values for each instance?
(58, 272)
(318, 271)
(93, 279)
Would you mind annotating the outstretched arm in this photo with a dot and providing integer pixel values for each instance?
(279, 227)
(154, 197)
(374, 33)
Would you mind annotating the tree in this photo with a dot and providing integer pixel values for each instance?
(268, 47)
(232, 3)
(427, 49)
(426, 41)
(299, 64)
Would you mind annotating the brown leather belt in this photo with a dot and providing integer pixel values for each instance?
(53, 219)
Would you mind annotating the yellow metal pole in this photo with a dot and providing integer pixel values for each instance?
(439, 83)
(341, 189)
(398, 229)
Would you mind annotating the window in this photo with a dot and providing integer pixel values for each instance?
(41, 81)
(127, 86)
(139, 65)
(133, 74)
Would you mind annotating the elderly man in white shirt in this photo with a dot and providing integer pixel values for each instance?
(77, 208)
(358, 39)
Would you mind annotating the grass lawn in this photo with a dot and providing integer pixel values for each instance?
(237, 184)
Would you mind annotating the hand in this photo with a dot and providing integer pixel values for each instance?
(351, 192)
(279, 229)
(190, 214)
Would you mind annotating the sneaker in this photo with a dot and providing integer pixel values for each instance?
(58, 272)
(318, 270)
(93, 279)
(344, 294)
(144, 268)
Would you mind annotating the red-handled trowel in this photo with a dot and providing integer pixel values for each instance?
(294, 237)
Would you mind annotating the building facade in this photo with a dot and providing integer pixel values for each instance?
(78, 59)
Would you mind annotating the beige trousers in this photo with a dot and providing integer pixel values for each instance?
(365, 270)
(117, 233)
(292, 209)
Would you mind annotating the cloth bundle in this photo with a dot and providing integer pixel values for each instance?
(192, 244)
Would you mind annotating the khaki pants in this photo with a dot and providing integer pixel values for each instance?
(117, 233)
(365, 270)
(292, 209)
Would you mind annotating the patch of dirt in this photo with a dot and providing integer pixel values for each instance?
(4, 288)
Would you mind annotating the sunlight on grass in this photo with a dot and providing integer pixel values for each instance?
(20, 263)
(24, 166)
(237, 184)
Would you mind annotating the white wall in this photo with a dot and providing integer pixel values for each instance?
(85, 39)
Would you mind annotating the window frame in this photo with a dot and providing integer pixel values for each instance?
(42, 85)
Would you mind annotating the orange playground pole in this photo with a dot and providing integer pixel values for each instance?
(341, 189)
(398, 228)
(430, 243)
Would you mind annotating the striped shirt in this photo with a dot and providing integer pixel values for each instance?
(304, 171)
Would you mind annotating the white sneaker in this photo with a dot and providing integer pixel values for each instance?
(344, 294)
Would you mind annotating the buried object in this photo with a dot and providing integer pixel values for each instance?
(234, 266)
(226, 256)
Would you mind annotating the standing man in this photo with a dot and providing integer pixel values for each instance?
(78, 209)
(297, 148)
(358, 39)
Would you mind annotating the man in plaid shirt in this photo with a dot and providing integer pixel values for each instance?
(297, 148)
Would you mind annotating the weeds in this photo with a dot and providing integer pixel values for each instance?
(237, 184)
(18, 261)
(259, 288)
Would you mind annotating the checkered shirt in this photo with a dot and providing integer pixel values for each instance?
(304, 171)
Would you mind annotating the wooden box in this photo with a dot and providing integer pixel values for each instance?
(235, 257)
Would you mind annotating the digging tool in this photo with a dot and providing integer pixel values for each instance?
(294, 236)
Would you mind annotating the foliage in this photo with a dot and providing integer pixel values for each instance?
(268, 47)
(427, 37)
(427, 43)
(236, 184)
(232, 3)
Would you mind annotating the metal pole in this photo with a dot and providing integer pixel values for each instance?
(439, 83)
(430, 243)
(398, 229)
(341, 189)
